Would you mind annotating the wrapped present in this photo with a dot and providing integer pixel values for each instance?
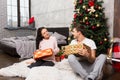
(74, 49)
(39, 54)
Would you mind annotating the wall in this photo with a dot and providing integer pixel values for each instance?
(60, 13)
(53, 12)
(109, 11)
(50, 13)
(2, 17)
(116, 19)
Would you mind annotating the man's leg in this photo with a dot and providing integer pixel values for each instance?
(76, 66)
(98, 65)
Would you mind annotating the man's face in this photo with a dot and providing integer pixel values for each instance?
(75, 33)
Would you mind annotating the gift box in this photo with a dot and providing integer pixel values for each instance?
(74, 49)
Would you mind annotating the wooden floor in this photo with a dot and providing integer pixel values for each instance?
(6, 60)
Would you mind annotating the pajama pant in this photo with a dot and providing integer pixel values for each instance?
(85, 69)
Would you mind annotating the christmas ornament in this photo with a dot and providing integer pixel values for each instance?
(91, 36)
(93, 27)
(86, 18)
(91, 10)
(91, 3)
(98, 25)
(69, 38)
(105, 39)
(80, 1)
(87, 23)
(96, 15)
(101, 42)
(99, 7)
(75, 15)
(84, 7)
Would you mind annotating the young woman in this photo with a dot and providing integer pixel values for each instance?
(45, 41)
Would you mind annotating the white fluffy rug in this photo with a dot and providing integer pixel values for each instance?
(61, 71)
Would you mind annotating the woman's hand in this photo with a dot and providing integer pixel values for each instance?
(30, 62)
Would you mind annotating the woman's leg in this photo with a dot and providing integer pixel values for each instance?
(37, 63)
(48, 63)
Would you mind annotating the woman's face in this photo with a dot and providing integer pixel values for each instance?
(45, 33)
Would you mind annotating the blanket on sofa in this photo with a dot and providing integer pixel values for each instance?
(61, 71)
(24, 46)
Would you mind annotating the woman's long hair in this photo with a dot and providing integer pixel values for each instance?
(39, 36)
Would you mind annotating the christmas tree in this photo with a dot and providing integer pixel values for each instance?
(90, 15)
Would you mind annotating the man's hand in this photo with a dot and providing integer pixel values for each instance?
(84, 52)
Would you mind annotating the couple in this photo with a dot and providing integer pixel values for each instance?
(88, 69)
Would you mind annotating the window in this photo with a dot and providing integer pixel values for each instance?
(18, 13)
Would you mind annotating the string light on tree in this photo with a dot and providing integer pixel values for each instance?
(84, 7)
(99, 7)
(98, 24)
(86, 18)
(96, 15)
(105, 39)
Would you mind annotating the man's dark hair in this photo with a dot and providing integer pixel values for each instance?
(78, 27)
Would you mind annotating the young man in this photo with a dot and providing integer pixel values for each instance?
(91, 66)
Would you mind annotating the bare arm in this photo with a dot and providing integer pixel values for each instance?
(56, 49)
(89, 55)
(92, 56)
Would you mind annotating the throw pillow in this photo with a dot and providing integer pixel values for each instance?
(59, 36)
